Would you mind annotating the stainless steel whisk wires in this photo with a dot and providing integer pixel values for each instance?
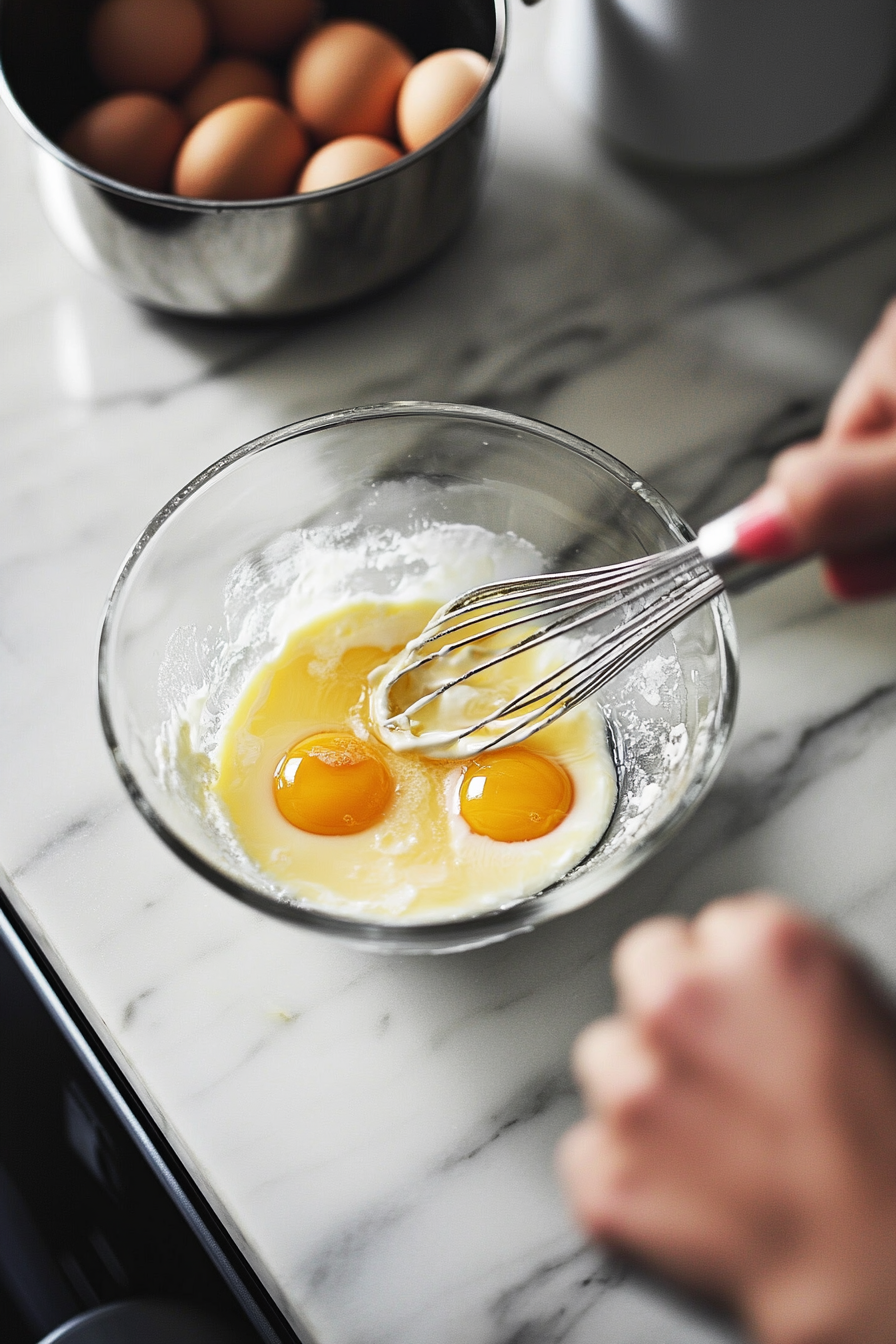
(644, 599)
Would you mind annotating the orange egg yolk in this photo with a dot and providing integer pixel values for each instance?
(332, 784)
(513, 794)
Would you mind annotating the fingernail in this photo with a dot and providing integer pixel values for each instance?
(762, 530)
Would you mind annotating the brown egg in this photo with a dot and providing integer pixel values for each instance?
(151, 45)
(345, 79)
(233, 77)
(260, 27)
(436, 92)
(247, 150)
(344, 160)
(133, 137)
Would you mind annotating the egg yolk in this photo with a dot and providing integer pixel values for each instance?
(332, 784)
(514, 794)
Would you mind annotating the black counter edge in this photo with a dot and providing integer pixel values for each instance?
(254, 1298)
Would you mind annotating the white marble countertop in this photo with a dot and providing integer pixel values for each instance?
(377, 1132)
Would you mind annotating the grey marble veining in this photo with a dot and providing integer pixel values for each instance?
(377, 1132)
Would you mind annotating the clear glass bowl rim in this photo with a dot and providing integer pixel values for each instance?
(448, 935)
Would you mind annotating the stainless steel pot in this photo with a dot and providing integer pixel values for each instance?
(255, 258)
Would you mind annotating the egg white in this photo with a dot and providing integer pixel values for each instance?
(395, 871)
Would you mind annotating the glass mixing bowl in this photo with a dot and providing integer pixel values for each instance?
(210, 555)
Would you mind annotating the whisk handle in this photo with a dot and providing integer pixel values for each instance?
(719, 546)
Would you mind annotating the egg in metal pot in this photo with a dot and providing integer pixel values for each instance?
(436, 92)
(248, 149)
(131, 137)
(345, 159)
(260, 27)
(151, 46)
(227, 79)
(345, 80)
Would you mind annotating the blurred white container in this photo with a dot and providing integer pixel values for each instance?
(723, 83)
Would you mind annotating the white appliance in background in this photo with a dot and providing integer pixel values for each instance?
(722, 84)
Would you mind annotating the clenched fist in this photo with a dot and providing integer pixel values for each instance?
(741, 1121)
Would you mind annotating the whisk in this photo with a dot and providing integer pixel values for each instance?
(634, 603)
